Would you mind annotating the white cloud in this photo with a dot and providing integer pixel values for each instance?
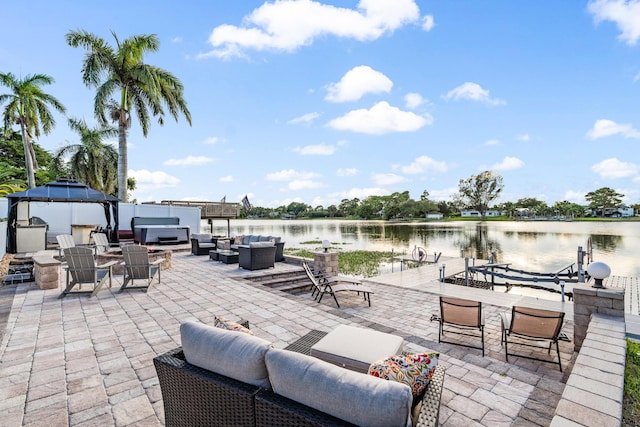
(444, 194)
(336, 198)
(508, 164)
(523, 137)
(291, 174)
(148, 180)
(189, 161)
(427, 23)
(603, 128)
(347, 172)
(380, 119)
(424, 164)
(356, 83)
(305, 118)
(302, 184)
(213, 140)
(575, 196)
(386, 178)
(413, 100)
(624, 13)
(491, 142)
(473, 92)
(315, 150)
(228, 178)
(176, 39)
(614, 168)
(286, 25)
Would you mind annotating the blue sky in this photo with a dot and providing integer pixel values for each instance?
(318, 101)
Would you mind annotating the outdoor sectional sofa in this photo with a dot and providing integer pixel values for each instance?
(257, 256)
(221, 377)
(202, 243)
(246, 239)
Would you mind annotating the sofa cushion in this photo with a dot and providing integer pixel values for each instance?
(263, 238)
(414, 370)
(352, 396)
(260, 244)
(238, 356)
(202, 237)
(253, 238)
(246, 239)
(237, 240)
(230, 325)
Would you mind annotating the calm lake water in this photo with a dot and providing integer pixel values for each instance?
(541, 246)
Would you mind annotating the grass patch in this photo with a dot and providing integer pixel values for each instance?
(631, 401)
(354, 263)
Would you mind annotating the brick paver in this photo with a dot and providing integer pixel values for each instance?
(89, 361)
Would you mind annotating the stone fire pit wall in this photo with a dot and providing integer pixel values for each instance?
(119, 267)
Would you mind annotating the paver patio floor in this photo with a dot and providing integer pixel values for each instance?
(88, 361)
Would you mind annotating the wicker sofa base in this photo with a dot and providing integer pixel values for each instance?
(194, 396)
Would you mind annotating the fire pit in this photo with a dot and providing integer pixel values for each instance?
(116, 255)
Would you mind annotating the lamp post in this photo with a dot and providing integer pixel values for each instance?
(326, 245)
(599, 271)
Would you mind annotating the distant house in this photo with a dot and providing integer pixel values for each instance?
(621, 212)
(473, 212)
(434, 215)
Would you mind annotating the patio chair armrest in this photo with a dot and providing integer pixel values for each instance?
(107, 264)
(158, 261)
(430, 404)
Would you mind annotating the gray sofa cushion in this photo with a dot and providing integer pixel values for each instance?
(263, 238)
(246, 239)
(233, 354)
(253, 238)
(354, 397)
(202, 237)
(260, 244)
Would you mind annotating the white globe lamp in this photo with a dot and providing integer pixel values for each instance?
(599, 271)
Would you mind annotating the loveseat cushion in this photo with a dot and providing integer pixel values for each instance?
(260, 244)
(202, 237)
(238, 356)
(351, 396)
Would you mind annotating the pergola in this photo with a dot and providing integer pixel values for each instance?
(63, 192)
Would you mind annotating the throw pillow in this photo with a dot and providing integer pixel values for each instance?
(415, 370)
(237, 240)
(229, 325)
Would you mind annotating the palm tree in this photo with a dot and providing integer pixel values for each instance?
(91, 161)
(144, 90)
(27, 106)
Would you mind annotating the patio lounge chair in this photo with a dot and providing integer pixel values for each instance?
(534, 325)
(461, 315)
(82, 269)
(137, 267)
(324, 277)
(322, 287)
(101, 243)
(65, 241)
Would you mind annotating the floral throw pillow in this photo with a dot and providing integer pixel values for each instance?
(237, 240)
(229, 325)
(415, 370)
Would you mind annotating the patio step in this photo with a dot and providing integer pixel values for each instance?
(291, 281)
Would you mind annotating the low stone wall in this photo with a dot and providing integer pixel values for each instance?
(594, 391)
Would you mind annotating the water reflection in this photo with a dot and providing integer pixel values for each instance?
(534, 246)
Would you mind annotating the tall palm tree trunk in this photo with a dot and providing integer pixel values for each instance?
(28, 158)
(123, 164)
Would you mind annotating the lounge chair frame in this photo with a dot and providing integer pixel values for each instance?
(534, 325)
(461, 317)
(82, 270)
(137, 267)
(320, 287)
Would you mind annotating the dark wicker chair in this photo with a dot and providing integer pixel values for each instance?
(201, 248)
(256, 258)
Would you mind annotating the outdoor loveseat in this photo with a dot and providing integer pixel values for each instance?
(233, 378)
(257, 256)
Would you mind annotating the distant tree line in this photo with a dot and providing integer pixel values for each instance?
(477, 192)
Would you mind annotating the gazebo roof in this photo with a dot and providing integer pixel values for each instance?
(63, 191)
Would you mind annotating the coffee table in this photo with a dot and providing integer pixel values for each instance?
(228, 257)
(356, 348)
